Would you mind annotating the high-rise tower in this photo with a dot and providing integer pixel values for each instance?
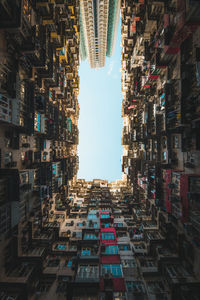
(98, 29)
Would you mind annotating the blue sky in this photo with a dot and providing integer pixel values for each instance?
(100, 122)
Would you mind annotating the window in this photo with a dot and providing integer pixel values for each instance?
(61, 247)
(92, 216)
(118, 224)
(194, 184)
(128, 263)
(80, 224)
(107, 236)
(69, 264)
(124, 247)
(115, 270)
(68, 224)
(139, 246)
(164, 156)
(90, 236)
(175, 141)
(78, 234)
(88, 271)
(150, 264)
(111, 250)
(95, 225)
(85, 251)
(121, 234)
(104, 216)
(155, 287)
(135, 287)
(147, 263)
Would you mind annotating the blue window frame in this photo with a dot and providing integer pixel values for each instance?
(85, 252)
(92, 216)
(80, 224)
(107, 225)
(90, 236)
(115, 270)
(135, 286)
(69, 264)
(124, 247)
(61, 247)
(118, 224)
(107, 236)
(111, 249)
(105, 216)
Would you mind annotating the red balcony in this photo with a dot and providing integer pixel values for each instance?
(110, 259)
(118, 284)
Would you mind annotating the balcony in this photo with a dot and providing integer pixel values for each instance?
(19, 274)
(153, 236)
(114, 271)
(136, 289)
(139, 248)
(42, 236)
(177, 274)
(33, 252)
(156, 289)
(91, 236)
(148, 266)
(122, 237)
(150, 226)
(58, 267)
(129, 265)
(195, 219)
(109, 250)
(89, 253)
(87, 273)
(120, 225)
(166, 254)
(177, 210)
(61, 247)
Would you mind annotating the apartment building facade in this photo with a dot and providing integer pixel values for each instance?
(160, 107)
(98, 30)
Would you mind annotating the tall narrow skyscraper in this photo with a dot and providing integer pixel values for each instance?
(98, 30)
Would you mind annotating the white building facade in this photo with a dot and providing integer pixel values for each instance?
(98, 30)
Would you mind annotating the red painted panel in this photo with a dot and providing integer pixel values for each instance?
(108, 229)
(166, 20)
(154, 77)
(184, 198)
(137, 18)
(171, 50)
(132, 106)
(101, 284)
(104, 212)
(110, 259)
(119, 285)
